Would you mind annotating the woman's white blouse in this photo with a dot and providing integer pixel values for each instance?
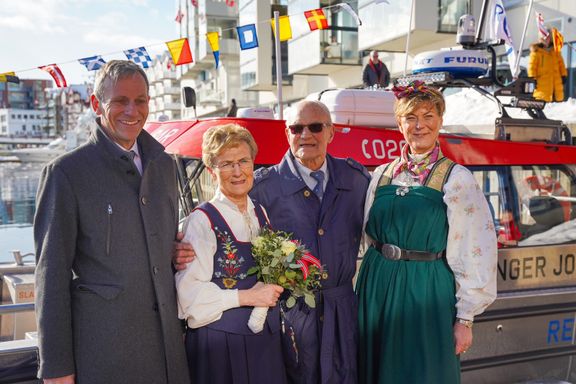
(200, 301)
(472, 251)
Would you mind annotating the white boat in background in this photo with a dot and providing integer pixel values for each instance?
(72, 139)
(41, 154)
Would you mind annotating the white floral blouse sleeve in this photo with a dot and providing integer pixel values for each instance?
(367, 240)
(472, 251)
(200, 301)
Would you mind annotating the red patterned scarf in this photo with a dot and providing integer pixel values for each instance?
(418, 169)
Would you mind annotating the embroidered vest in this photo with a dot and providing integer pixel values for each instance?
(435, 180)
(232, 260)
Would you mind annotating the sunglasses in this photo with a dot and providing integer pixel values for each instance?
(297, 129)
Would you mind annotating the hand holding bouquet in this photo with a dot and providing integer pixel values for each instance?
(286, 262)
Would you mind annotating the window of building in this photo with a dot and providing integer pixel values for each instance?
(450, 12)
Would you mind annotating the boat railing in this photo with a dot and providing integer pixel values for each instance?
(18, 358)
(18, 340)
(15, 308)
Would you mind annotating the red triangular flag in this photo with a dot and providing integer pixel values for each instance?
(56, 74)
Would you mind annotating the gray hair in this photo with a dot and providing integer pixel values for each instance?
(318, 106)
(112, 71)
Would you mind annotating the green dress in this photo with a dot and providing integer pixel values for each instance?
(407, 308)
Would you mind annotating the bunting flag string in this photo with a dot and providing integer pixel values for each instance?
(92, 63)
(214, 45)
(9, 77)
(284, 25)
(56, 74)
(180, 49)
(139, 56)
(316, 19)
(247, 36)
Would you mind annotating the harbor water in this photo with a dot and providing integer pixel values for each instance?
(18, 185)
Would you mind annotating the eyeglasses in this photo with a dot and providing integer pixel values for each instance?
(297, 129)
(228, 166)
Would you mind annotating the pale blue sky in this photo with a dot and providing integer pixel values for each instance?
(40, 32)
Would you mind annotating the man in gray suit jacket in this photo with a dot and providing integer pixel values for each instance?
(105, 222)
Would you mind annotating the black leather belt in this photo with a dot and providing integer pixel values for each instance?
(393, 252)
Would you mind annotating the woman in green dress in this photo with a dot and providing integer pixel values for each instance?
(430, 265)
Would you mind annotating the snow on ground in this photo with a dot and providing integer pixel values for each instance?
(468, 110)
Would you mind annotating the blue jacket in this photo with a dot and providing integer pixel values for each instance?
(331, 230)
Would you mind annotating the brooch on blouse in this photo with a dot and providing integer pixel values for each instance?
(402, 191)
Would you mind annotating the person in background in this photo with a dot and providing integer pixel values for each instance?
(215, 293)
(375, 73)
(106, 219)
(319, 199)
(432, 257)
(548, 68)
(233, 109)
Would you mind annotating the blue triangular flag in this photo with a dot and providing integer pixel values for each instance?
(216, 57)
(247, 36)
(92, 63)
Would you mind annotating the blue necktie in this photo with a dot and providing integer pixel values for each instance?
(319, 188)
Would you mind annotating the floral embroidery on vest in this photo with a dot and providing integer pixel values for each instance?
(230, 264)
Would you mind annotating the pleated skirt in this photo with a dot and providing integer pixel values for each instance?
(406, 317)
(217, 357)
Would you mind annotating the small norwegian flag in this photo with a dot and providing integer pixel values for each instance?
(56, 74)
(179, 16)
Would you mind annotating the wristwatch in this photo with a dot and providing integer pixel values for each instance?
(466, 323)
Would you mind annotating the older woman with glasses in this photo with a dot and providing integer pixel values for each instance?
(431, 262)
(215, 293)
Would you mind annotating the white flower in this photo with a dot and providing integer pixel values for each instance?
(288, 247)
(258, 241)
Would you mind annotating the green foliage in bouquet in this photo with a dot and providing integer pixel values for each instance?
(286, 262)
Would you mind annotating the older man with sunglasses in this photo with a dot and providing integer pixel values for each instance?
(319, 198)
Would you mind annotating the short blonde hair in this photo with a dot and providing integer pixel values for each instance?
(430, 96)
(220, 137)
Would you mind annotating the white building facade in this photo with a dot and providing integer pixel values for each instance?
(334, 58)
(22, 122)
(165, 100)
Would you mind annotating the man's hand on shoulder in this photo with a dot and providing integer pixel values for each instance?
(182, 253)
(70, 379)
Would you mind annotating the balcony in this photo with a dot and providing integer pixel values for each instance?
(433, 24)
(162, 105)
(210, 97)
(165, 88)
(323, 52)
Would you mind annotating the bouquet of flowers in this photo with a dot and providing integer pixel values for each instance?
(286, 262)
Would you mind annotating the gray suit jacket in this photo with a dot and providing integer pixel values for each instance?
(105, 294)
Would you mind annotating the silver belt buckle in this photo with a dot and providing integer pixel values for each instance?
(391, 251)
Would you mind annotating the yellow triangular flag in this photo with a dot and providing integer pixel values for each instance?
(285, 29)
(8, 77)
